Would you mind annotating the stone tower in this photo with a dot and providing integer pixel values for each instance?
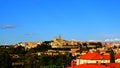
(59, 37)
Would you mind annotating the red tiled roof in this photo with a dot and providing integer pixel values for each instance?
(90, 66)
(117, 56)
(91, 56)
(97, 56)
(106, 57)
(113, 65)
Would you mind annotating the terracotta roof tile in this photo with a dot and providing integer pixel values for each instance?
(97, 56)
(113, 65)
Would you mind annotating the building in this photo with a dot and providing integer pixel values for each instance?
(28, 45)
(90, 66)
(95, 57)
(59, 43)
(107, 65)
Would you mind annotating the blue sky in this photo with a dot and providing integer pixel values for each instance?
(40, 20)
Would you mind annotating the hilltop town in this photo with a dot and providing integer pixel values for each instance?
(61, 53)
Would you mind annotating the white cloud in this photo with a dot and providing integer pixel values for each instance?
(94, 40)
(7, 26)
(112, 40)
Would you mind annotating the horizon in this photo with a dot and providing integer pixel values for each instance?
(41, 20)
(102, 41)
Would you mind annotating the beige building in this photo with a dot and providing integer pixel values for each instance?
(29, 45)
(59, 43)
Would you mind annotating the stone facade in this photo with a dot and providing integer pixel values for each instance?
(59, 43)
(29, 45)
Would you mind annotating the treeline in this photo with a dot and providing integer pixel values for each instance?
(47, 60)
(27, 59)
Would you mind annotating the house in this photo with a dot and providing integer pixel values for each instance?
(98, 65)
(95, 57)
(87, 65)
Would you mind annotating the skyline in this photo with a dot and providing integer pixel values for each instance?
(40, 20)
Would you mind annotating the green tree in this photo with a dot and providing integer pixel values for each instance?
(41, 48)
(31, 62)
(58, 60)
(112, 58)
(5, 60)
(18, 50)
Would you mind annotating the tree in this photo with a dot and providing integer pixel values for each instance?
(112, 58)
(41, 48)
(18, 50)
(5, 60)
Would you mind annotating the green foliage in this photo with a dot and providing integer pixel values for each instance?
(58, 60)
(65, 49)
(115, 47)
(112, 58)
(5, 60)
(35, 61)
(31, 60)
(18, 50)
(40, 48)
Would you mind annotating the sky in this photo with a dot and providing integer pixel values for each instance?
(42, 20)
